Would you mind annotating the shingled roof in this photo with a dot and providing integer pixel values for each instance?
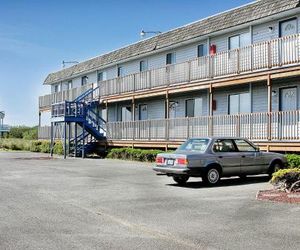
(225, 20)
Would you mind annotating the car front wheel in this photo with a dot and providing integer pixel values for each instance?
(181, 180)
(212, 176)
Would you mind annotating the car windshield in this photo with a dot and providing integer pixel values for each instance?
(196, 145)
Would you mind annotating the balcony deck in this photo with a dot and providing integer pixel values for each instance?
(278, 56)
(281, 130)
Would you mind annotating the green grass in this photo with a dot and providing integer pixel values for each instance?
(14, 144)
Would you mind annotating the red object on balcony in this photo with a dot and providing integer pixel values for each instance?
(213, 49)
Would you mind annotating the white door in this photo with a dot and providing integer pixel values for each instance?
(288, 51)
(288, 99)
(287, 121)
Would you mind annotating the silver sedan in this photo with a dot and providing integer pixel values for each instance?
(215, 157)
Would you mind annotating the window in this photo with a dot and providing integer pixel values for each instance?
(143, 112)
(201, 50)
(225, 145)
(190, 108)
(239, 103)
(170, 58)
(244, 146)
(193, 107)
(198, 145)
(101, 76)
(84, 80)
(238, 41)
(288, 27)
(56, 88)
(120, 71)
(234, 42)
(70, 84)
(143, 66)
(126, 113)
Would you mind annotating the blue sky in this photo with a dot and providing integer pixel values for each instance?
(36, 36)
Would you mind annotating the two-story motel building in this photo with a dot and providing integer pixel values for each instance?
(236, 73)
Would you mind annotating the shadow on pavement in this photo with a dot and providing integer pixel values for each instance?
(234, 181)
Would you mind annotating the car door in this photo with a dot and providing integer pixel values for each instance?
(227, 156)
(251, 160)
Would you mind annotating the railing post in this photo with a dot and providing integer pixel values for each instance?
(149, 132)
(238, 132)
(134, 82)
(167, 129)
(238, 61)
(188, 127)
(269, 55)
(189, 71)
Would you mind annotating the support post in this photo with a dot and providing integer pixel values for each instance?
(69, 138)
(83, 139)
(133, 118)
(211, 112)
(75, 140)
(269, 86)
(106, 107)
(65, 140)
(51, 139)
(167, 115)
(40, 119)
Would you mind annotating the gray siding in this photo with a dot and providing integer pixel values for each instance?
(221, 97)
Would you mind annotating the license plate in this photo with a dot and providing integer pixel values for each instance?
(170, 162)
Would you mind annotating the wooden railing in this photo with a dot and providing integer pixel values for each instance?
(276, 126)
(259, 56)
(67, 95)
(279, 126)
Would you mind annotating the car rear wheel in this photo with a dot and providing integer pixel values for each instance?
(181, 180)
(212, 176)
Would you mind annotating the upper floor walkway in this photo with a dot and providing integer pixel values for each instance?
(259, 57)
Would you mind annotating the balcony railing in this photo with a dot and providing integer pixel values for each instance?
(279, 126)
(275, 126)
(67, 95)
(259, 56)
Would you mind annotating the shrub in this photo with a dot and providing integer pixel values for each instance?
(45, 147)
(285, 179)
(133, 154)
(293, 160)
(23, 132)
(35, 146)
(58, 148)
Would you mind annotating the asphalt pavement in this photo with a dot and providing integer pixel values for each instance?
(111, 204)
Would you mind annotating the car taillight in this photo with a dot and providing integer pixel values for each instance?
(182, 161)
(159, 160)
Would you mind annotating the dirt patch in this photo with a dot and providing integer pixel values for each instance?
(278, 196)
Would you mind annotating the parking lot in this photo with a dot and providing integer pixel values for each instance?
(110, 204)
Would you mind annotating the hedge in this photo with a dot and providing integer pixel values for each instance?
(133, 154)
(30, 145)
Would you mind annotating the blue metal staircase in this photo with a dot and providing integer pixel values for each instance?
(82, 116)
